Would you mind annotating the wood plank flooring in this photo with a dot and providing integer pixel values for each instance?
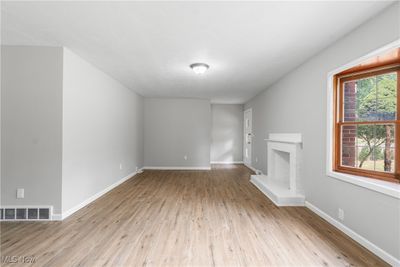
(185, 218)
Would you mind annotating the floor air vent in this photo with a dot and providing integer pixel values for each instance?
(25, 213)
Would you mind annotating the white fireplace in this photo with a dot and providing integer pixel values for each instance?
(283, 183)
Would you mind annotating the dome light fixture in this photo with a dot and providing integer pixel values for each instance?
(199, 68)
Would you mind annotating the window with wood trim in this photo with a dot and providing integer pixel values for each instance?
(367, 128)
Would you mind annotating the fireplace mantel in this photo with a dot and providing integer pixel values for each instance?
(283, 141)
(294, 138)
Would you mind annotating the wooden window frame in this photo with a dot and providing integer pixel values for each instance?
(338, 96)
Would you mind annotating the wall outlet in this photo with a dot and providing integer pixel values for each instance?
(341, 214)
(120, 166)
(256, 159)
(185, 157)
(137, 169)
(20, 193)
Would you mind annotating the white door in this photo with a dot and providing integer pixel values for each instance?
(247, 137)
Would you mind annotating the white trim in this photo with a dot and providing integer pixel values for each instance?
(207, 168)
(386, 188)
(56, 217)
(74, 209)
(250, 156)
(281, 141)
(356, 237)
(285, 137)
(250, 167)
(226, 162)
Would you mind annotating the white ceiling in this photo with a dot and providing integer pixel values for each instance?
(148, 46)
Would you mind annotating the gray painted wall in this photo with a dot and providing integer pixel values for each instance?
(226, 133)
(102, 128)
(175, 127)
(31, 127)
(297, 103)
(66, 128)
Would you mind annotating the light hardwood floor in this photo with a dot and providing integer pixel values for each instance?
(186, 218)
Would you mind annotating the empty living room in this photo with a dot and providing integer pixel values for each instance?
(200, 133)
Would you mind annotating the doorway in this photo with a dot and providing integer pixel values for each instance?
(247, 137)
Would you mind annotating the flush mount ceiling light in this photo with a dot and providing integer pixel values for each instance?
(199, 68)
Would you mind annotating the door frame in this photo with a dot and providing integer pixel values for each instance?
(246, 112)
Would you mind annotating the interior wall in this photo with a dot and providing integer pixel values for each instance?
(31, 125)
(297, 103)
(226, 133)
(175, 128)
(102, 131)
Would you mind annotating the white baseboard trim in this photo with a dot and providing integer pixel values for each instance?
(250, 167)
(176, 168)
(56, 217)
(226, 162)
(72, 210)
(358, 238)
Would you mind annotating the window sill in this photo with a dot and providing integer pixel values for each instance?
(387, 188)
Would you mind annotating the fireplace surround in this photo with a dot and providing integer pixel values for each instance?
(283, 183)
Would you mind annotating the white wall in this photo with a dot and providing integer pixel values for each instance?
(175, 128)
(297, 103)
(102, 128)
(31, 128)
(226, 133)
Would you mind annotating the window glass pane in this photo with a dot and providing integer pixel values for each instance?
(386, 102)
(368, 147)
(371, 99)
(384, 148)
(364, 158)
